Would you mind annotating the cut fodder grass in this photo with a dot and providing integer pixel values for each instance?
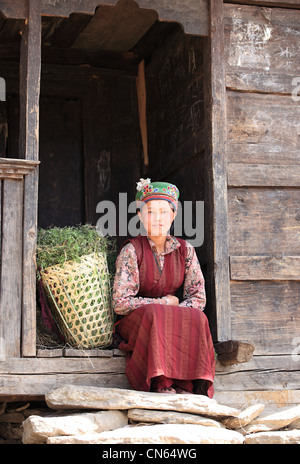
(73, 266)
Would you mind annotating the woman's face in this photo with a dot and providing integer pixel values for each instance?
(157, 217)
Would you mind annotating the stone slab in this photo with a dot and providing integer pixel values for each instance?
(84, 397)
(274, 438)
(170, 417)
(37, 429)
(157, 434)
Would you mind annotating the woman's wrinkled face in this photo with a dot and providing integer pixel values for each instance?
(157, 217)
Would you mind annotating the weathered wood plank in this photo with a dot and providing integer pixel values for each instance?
(265, 363)
(272, 399)
(262, 52)
(11, 269)
(264, 222)
(63, 365)
(73, 352)
(110, 60)
(175, 111)
(26, 376)
(192, 15)
(258, 380)
(40, 384)
(16, 168)
(1, 208)
(142, 105)
(266, 313)
(263, 175)
(216, 181)
(265, 267)
(256, 132)
(269, 3)
(233, 352)
(97, 32)
(30, 67)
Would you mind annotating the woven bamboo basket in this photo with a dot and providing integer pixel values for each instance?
(79, 295)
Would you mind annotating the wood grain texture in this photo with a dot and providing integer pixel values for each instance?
(263, 175)
(11, 285)
(262, 52)
(30, 69)
(192, 15)
(266, 313)
(216, 219)
(264, 221)
(263, 129)
(265, 267)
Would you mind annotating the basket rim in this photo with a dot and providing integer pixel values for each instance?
(95, 255)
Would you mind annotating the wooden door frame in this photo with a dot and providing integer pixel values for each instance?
(216, 206)
(211, 25)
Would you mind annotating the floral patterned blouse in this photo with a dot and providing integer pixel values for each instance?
(126, 283)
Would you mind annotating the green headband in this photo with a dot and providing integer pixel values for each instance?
(147, 191)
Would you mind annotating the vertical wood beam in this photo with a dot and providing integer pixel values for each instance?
(141, 94)
(11, 269)
(30, 68)
(216, 207)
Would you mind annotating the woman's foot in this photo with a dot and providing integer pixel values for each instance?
(182, 391)
(169, 390)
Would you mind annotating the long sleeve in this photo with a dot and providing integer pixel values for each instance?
(126, 283)
(194, 285)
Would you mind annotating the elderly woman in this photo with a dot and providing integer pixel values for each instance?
(167, 342)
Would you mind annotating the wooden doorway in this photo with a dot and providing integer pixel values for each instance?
(61, 180)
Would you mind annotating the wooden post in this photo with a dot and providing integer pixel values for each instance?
(216, 214)
(141, 94)
(12, 175)
(30, 66)
(11, 269)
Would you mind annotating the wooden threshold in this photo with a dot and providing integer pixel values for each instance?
(36, 376)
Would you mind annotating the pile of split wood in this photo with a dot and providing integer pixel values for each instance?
(111, 415)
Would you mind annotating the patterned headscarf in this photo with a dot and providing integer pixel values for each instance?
(147, 191)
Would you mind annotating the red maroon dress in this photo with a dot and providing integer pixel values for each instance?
(165, 340)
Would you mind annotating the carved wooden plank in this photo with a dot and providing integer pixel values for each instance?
(216, 181)
(30, 64)
(11, 269)
(262, 50)
(97, 33)
(266, 313)
(264, 221)
(193, 15)
(265, 267)
(16, 168)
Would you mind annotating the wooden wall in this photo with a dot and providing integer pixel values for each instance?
(263, 155)
(90, 146)
(176, 124)
(175, 116)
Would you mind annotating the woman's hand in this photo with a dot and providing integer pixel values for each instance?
(171, 300)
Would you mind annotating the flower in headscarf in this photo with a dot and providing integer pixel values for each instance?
(142, 183)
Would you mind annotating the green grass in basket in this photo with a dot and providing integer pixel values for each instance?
(57, 245)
